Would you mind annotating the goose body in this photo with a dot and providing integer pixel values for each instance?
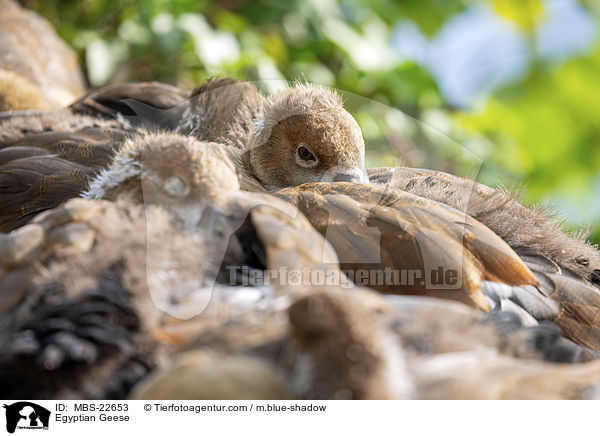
(93, 311)
(565, 265)
(331, 343)
(92, 316)
(264, 138)
(49, 157)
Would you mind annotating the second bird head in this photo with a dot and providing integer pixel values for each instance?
(178, 173)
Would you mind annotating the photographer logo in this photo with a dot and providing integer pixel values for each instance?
(26, 415)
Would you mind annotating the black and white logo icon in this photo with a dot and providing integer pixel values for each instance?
(26, 415)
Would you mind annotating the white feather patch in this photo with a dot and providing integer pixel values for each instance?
(126, 165)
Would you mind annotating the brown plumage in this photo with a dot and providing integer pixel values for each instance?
(166, 169)
(340, 357)
(91, 278)
(410, 347)
(566, 265)
(185, 176)
(17, 126)
(44, 173)
(40, 168)
(148, 104)
(96, 291)
(222, 110)
(287, 337)
(373, 228)
(47, 157)
(432, 235)
(271, 133)
(94, 311)
(305, 135)
(332, 343)
(411, 233)
(535, 228)
(37, 68)
(104, 267)
(299, 135)
(79, 327)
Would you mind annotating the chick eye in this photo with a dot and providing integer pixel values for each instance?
(176, 186)
(305, 157)
(305, 154)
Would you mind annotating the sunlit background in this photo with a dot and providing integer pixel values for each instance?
(504, 91)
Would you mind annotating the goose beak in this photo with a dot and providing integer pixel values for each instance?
(355, 175)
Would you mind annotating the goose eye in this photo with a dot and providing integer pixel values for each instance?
(175, 186)
(305, 154)
(306, 158)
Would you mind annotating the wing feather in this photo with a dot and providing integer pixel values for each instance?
(374, 228)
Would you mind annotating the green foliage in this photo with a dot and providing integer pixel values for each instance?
(539, 133)
(546, 131)
(543, 131)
